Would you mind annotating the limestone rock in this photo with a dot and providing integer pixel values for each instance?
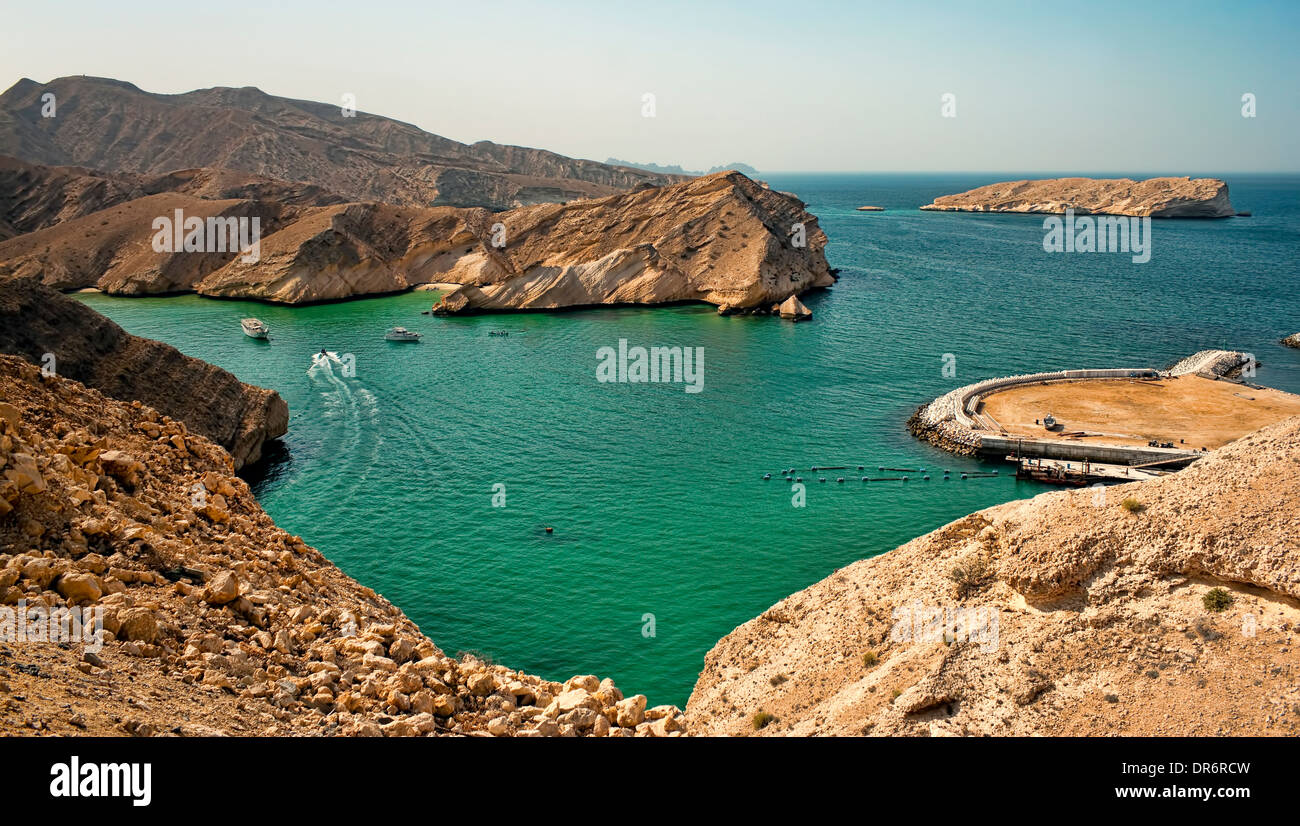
(1156, 197)
(793, 308)
(79, 588)
(223, 588)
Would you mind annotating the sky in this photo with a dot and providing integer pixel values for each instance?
(790, 86)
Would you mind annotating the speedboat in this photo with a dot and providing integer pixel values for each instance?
(401, 334)
(254, 328)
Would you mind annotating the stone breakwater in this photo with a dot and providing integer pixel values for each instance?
(953, 421)
(215, 621)
(1211, 364)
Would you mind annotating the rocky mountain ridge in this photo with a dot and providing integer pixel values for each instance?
(114, 126)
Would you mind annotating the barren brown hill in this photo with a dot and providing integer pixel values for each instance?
(112, 249)
(1073, 613)
(355, 249)
(33, 196)
(214, 620)
(1156, 197)
(114, 126)
(69, 338)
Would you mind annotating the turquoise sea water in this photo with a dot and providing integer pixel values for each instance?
(655, 494)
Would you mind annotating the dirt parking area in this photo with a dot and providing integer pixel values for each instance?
(1198, 411)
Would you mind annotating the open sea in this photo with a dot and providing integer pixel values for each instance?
(665, 535)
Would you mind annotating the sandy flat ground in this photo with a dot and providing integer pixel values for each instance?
(1204, 412)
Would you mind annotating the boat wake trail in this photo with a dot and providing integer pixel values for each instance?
(351, 412)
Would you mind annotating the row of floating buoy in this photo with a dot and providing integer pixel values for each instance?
(788, 475)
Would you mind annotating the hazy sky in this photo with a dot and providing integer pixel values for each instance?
(1039, 86)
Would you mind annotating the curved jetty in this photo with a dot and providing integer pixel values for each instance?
(1126, 416)
(1154, 197)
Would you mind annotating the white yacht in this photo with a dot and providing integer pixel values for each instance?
(255, 329)
(401, 334)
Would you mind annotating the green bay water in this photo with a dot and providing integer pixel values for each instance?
(655, 495)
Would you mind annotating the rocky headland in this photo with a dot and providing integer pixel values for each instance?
(215, 621)
(1165, 607)
(1154, 197)
(53, 331)
(721, 239)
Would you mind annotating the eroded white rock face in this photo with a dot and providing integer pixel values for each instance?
(1154, 197)
(722, 239)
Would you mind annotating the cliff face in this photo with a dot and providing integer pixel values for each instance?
(355, 249)
(1156, 197)
(1073, 613)
(36, 321)
(115, 126)
(216, 621)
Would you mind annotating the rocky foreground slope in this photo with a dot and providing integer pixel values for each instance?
(1078, 612)
(115, 126)
(216, 621)
(67, 337)
(1155, 197)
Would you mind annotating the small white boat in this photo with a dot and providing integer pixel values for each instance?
(254, 328)
(401, 334)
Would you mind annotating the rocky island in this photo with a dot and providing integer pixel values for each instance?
(1154, 197)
